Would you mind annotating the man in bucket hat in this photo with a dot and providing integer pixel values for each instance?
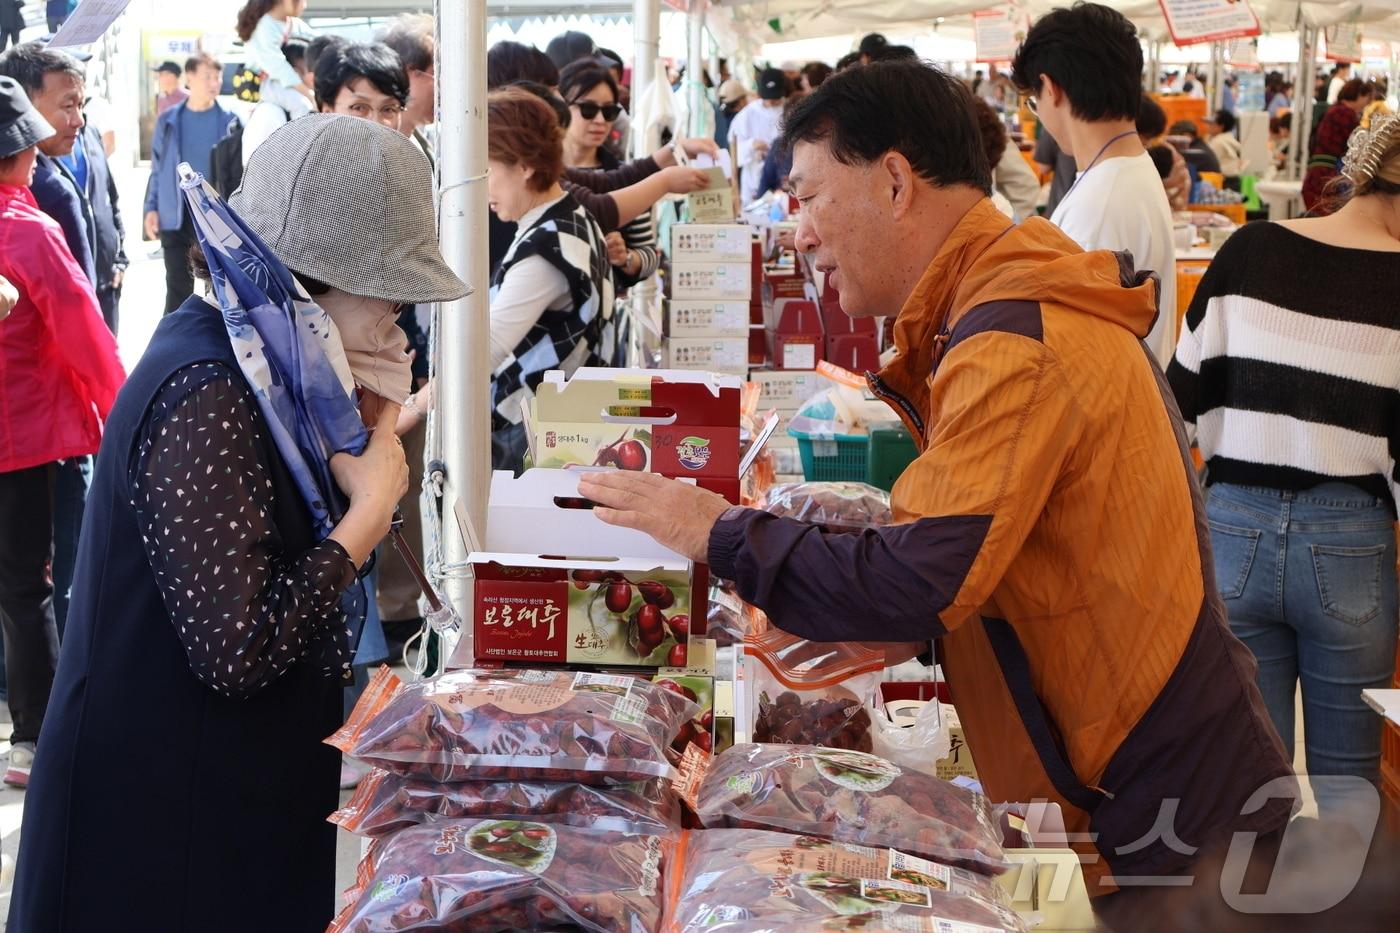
(227, 525)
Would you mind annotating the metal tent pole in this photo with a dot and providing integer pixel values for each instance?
(699, 104)
(1217, 78)
(463, 405)
(646, 46)
(1301, 134)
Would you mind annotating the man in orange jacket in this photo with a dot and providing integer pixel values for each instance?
(1051, 531)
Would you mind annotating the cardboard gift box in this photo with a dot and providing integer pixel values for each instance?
(758, 345)
(678, 423)
(711, 354)
(712, 243)
(555, 585)
(798, 339)
(781, 282)
(860, 353)
(838, 323)
(711, 281)
(707, 319)
(787, 389)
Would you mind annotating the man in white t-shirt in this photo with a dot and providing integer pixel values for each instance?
(1084, 69)
(1339, 78)
(755, 129)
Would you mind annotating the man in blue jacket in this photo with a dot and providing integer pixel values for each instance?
(54, 82)
(87, 169)
(186, 132)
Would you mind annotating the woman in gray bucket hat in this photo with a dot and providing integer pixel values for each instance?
(182, 783)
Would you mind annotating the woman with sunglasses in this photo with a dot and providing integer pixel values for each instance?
(592, 95)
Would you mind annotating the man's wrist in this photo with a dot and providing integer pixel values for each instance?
(725, 537)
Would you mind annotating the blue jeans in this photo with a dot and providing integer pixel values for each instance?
(1308, 579)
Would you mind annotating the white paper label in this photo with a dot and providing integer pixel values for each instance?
(604, 683)
(799, 355)
(630, 709)
(911, 869)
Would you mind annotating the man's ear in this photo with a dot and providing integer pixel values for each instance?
(901, 179)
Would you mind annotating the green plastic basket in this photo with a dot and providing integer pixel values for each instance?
(832, 458)
(892, 449)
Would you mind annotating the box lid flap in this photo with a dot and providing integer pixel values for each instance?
(537, 513)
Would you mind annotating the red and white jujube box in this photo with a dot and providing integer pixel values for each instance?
(682, 424)
(798, 341)
(555, 585)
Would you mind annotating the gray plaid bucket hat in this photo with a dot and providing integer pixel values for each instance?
(21, 126)
(350, 203)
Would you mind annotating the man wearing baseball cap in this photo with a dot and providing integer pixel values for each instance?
(756, 127)
(732, 98)
(168, 90)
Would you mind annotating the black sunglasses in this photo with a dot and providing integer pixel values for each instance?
(588, 110)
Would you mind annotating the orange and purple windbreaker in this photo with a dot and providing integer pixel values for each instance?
(1052, 537)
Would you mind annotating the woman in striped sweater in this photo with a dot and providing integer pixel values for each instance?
(1289, 368)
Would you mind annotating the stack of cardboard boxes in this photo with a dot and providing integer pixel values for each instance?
(712, 289)
(731, 313)
(786, 391)
(851, 343)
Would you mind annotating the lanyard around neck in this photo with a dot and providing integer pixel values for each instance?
(1097, 158)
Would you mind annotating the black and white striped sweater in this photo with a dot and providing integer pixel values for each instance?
(1289, 364)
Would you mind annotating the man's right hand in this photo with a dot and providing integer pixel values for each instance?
(152, 225)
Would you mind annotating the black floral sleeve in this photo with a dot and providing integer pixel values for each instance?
(244, 609)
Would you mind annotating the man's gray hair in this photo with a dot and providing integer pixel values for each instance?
(411, 35)
(28, 63)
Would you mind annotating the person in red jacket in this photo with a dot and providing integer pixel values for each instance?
(59, 375)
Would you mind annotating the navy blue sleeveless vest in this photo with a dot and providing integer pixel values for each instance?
(156, 804)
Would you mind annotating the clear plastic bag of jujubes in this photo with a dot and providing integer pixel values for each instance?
(811, 693)
(517, 725)
(492, 876)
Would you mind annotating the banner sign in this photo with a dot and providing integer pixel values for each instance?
(999, 32)
(1192, 22)
(1343, 43)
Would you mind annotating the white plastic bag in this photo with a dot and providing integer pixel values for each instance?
(918, 747)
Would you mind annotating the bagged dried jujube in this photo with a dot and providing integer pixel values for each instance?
(838, 507)
(384, 802)
(517, 725)
(850, 797)
(490, 876)
(737, 879)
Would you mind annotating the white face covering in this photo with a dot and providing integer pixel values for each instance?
(374, 345)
